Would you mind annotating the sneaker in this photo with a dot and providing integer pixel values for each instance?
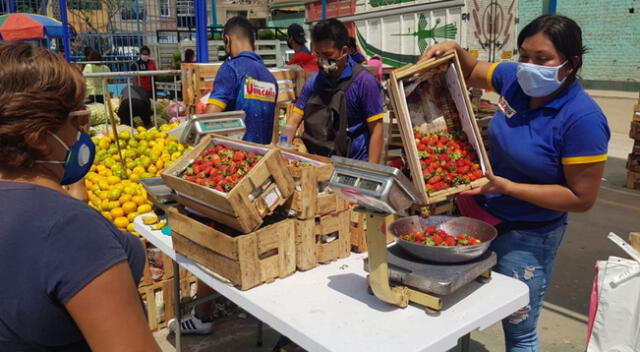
(190, 324)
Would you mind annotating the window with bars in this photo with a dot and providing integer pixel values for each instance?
(165, 8)
(132, 10)
(85, 5)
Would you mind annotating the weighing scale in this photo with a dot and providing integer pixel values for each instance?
(228, 123)
(395, 276)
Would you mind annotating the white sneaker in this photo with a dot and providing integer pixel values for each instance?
(190, 324)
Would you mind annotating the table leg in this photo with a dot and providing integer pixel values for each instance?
(176, 305)
(465, 343)
(259, 334)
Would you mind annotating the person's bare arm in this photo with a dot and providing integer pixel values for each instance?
(474, 70)
(109, 313)
(375, 143)
(293, 122)
(578, 195)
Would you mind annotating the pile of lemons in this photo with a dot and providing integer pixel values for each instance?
(113, 185)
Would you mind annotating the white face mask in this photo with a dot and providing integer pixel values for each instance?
(145, 58)
(539, 81)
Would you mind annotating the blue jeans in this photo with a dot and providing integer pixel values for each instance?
(528, 256)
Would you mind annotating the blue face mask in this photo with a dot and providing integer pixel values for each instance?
(79, 158)
(539, 81)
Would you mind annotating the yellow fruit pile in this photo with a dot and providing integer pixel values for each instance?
(113, 188)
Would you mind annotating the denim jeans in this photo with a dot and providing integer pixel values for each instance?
(528, 256)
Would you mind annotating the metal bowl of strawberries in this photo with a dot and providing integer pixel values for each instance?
(443, 239)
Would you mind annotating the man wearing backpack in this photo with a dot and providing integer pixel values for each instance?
(341, 105)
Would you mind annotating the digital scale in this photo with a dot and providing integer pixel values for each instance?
(228, 123)
(395, 276)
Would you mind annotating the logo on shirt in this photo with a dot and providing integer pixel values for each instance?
(258, 90)
(506, 108)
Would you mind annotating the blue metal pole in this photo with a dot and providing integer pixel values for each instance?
(324, 9)
(202, 48)
(214, 14)
(12, 6)
(553, 5)
(66, 36)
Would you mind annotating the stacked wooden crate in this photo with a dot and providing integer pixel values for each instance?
(633, 162)
(321, 217)
(157, 286)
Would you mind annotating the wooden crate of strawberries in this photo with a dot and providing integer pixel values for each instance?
(234, 182)
(322, 239)
(311, 198)
(246, 260)
(442, 141)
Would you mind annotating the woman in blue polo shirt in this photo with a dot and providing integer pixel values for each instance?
(548, 151)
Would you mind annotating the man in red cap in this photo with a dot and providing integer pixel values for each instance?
(302, 57)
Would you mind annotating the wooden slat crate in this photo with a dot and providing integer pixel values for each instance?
(161, 260)
(246, 260)
(636, 112)
(636, 148)
(634, 240)
(483, 126)
(634, 131)
(633, 180)
(257, 195)
(197, 80)
(159, 298)
(308, 201)
(436, 70)
(633, 163)
(286, 79)
(358, 225)
(322, 239)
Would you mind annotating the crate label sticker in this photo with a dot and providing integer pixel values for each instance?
(506, 55)
(506, 108)
(272, 197)
(258, 90)
(261, 206)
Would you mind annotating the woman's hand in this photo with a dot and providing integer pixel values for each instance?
(496, 185)
(439, 50)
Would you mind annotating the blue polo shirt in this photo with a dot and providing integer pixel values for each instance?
(364, 105)
(532, 145)
(244, 83)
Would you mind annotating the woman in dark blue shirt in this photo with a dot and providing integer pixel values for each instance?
(68, 275)
(548, 151)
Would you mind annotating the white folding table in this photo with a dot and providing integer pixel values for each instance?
(329, 307)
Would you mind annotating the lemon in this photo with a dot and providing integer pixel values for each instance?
(107, 215)
(145, 208)
(132, 216)
(104, 143)
(175, 156)
(121, 222)
(129, 207)
(159, 225)
(114, 194)
(147, 175)
(124, 135)
(152, 169)
(126, 197)
(130, 228)
(150, 219)
(140, 200)
(112, 180)
(138, 170)
(117, 212)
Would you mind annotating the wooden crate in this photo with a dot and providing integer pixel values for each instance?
(312, 247)
(636, 112)
(634, 131)
(246, 260)
(197, 80)
(483, 127)
(634, 240)
(633, 163)
(358, 228)
(159, 298)
(265, 187)
(636, 148)
(447, 69)
(308, 201)
(161, 260)
(286, 79)
(633, 180)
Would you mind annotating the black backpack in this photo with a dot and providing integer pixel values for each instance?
(325, 120)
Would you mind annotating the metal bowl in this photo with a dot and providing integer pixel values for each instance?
(452, 225)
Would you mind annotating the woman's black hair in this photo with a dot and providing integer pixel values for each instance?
(564, 33)
(331, 29)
